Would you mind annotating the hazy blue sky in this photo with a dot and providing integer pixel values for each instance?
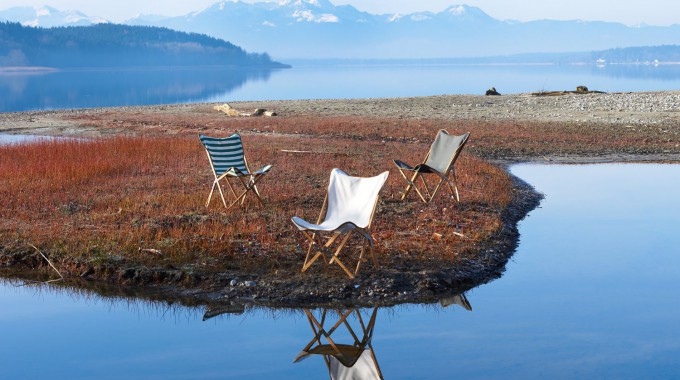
(653, 12)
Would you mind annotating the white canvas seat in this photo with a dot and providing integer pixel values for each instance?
(349, 206)
(227, 160)
(440, 161)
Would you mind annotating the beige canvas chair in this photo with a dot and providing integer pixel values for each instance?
(355, 360)
(439, 161)
(458, 299)
(227, 160)
(349, 207)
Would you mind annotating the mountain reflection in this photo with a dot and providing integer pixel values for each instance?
(119, 87)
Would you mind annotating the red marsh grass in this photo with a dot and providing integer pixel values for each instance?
(506, 139)
(141, 199)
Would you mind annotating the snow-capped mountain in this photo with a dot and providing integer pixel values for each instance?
(47, 17)
(319, 29)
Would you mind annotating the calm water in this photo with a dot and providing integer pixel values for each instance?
(121, 87)
(591, 293)
(6, 139)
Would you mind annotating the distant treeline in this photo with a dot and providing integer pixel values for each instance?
(642, 54)
(109, 45)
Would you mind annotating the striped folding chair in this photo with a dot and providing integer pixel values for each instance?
(228, 161)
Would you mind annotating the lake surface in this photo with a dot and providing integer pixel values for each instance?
(123, 87)
(592, 292)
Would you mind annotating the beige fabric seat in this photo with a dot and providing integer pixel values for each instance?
(440, 161)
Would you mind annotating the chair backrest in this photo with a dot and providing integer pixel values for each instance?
(353, 199)
(225, 153)
(445, 150)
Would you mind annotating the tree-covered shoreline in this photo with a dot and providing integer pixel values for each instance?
(107, 45)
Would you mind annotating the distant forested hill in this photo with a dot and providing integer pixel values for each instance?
(663, 53)
(109, 45)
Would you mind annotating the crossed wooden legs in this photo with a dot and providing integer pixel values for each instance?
(318, 249)
(248, 185)
(347, 354)
(443, 178)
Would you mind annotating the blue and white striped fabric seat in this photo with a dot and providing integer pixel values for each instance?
(226, 155)
(228, 160)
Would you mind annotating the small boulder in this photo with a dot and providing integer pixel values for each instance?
(492, 92)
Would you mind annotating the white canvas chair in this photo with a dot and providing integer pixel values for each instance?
(227, 160)
(344, 361)
(349, 206)
(439, 161)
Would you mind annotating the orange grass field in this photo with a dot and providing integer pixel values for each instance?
(141, 199)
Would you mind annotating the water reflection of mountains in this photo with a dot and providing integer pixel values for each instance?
(668, 72)
(120, 87)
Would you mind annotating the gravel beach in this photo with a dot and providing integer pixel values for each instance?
(660, 109)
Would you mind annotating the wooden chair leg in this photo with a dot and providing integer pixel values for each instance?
(233, 192)
(409, 183)
(248, 187)
(253, 186)
(361, 257)
(315, 240)
(336, 259)
(427, 188)
(413, 180)
(207, 203)
(455, 184)
(439, 185)
(219, 189)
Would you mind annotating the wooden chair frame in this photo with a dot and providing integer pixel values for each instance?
(421, 169)
(346, 354)
(333, 256)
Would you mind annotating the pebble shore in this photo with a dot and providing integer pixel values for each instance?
(631, 108)
(656, 108)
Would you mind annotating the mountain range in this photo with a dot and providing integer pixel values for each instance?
(319, 29)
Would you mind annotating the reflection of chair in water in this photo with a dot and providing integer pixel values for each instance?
(212, 311)
(344, 361)
(458, 299)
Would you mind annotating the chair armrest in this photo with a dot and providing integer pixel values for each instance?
(263, 170)
(403, 165)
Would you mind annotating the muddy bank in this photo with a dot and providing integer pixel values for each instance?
(426, 282)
